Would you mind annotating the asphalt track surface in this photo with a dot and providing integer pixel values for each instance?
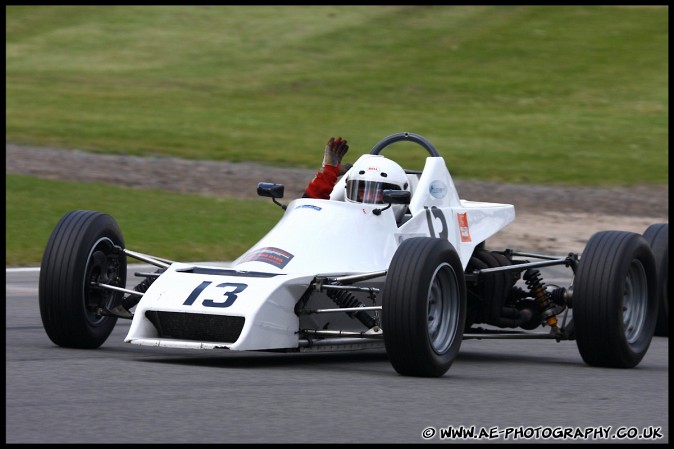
(509, 390)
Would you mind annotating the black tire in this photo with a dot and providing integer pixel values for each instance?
(424, 307)
(477, 310)
(614, 299)
(657, 236)
(79, 251)
(491, 290)
(500, 284)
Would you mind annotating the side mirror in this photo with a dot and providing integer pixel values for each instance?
(273, 191)
(270, 190)
(394, 197)
(397, 196)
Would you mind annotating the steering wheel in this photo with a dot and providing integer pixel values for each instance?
(416, 138)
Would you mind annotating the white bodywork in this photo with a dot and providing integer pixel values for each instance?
(313, 238)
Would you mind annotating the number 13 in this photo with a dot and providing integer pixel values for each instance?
(230, 296)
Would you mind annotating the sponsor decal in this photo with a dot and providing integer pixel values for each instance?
(309, 206)
(438, 189)
(273, 256)
(463, 227)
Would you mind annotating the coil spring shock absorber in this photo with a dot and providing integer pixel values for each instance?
(130, 301)
(344, 299)
(533, 280)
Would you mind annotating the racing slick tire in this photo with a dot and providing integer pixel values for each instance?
(657, 235)
(424, 307)
(615, 299)
(81, 250)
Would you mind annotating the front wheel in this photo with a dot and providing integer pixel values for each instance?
(83, 249)
(424, 307)
(615, 299)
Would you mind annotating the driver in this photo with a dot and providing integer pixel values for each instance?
(366, 181)
(370, 176)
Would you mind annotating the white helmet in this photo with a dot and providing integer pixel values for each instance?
(370, 176)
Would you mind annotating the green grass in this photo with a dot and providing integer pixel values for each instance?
(567, 95)
(177, 227)
(545, 94)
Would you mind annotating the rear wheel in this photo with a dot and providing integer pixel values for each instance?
(614, 299)
(424, 307)
(81, 251)
(657, 236)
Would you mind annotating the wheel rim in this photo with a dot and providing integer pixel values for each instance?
(635, 301)
(443, 308)
(102, 266)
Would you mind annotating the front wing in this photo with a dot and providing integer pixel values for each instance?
(203, 307)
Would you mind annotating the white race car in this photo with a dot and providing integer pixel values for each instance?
(416, 286)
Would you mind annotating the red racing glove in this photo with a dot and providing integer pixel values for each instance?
(324, 181)
(334, 152)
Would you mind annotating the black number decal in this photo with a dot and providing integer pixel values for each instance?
(200, 288)
(437, 213)
(230, 295)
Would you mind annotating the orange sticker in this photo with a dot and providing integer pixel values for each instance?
(463, 227)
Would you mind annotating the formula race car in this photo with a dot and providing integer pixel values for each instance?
(416, 286)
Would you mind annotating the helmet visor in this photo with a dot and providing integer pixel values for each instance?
(368, 192)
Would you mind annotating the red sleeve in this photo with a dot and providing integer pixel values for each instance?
(321, 186)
